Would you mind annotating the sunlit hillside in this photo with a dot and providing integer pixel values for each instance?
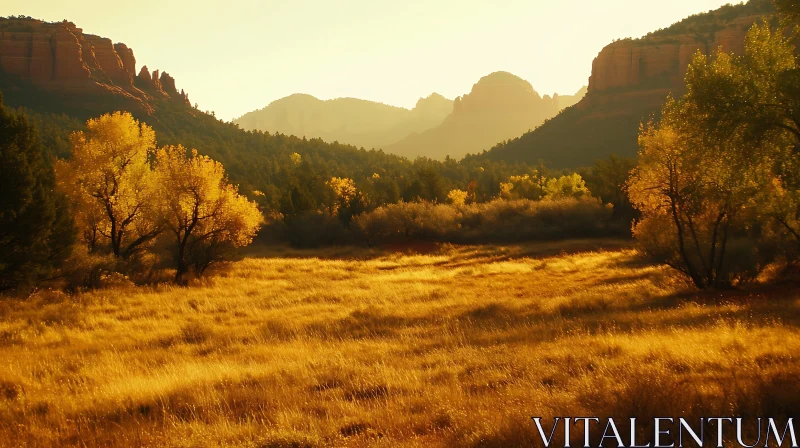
(441, 346)
(629, 82)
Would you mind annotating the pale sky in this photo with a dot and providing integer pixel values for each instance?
(235, 56)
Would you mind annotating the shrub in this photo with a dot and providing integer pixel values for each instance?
(85, 270)
(143, 267)
(409, 221)
(499, 220)
(313, 230)
(525, 220)
(375, 226)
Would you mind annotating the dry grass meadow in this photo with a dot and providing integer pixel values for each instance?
(456, 346)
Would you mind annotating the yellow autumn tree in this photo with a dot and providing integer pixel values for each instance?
(570, 186)
(109, 182)
(204, 214)
(344, 191)
(506, 190)
(527, 186)
(698, 196)
(457, 197)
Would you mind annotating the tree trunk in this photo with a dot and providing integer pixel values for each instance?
(182, 267)
(696, 279)
(182, 270)
(114, 240)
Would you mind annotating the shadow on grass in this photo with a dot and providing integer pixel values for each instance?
(457, 252)
(496, 324)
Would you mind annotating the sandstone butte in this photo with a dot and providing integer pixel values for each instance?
(652, 67)
(60, 58)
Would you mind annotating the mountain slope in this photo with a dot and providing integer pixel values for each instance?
(565, 101)
(630, 80)
(61, 76)
(500, 106)
(349, 120)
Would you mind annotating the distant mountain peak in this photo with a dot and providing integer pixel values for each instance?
(504, 81)
(364, 123)
(498, 91)
(300, 96)
(500, 106)
(503, 77)
(434, 101)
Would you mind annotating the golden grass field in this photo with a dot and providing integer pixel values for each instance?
(459, 347)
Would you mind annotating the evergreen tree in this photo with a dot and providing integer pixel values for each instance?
(36, 230)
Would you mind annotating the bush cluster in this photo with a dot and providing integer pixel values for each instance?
(498, 221)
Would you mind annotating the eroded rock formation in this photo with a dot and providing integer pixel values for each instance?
(629, 84)
(60, 58)
(628, 63)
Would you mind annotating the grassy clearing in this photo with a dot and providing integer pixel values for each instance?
(458, 346)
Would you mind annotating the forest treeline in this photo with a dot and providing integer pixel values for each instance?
(715, 192)
(106, 203)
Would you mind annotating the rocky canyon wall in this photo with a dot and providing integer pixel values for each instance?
(628, 63)
(60, 58)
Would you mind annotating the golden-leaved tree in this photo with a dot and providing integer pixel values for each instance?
(717, 181)
(535, 187)
(346, 201)
(757, 96)
(124, 202)
(457, 197)
(203, 213)
(569, 186)
(698, 196)
(528, 186)
(343, 191)
(110, 183)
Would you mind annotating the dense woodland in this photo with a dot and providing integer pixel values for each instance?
(308, 192)
(713, 194)
(262, 161)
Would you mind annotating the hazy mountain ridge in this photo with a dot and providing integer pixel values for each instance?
(630, 80)
(565, 101)
(354, 121)
(500, 106)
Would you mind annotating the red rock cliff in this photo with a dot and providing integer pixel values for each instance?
(628, 63)
(60, 58)
(635, 75)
